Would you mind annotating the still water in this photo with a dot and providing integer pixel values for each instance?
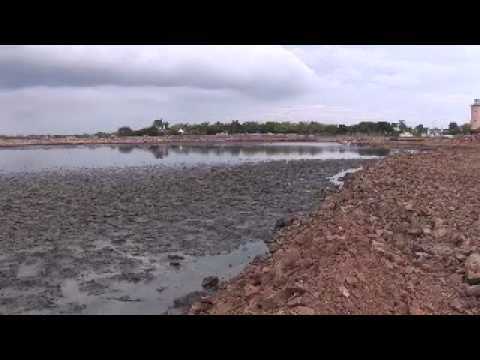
(38, 158)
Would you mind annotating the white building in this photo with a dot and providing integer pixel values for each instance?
(435, 132)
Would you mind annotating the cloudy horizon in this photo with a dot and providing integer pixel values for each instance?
(84, 89)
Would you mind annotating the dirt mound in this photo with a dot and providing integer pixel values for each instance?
(394, 240)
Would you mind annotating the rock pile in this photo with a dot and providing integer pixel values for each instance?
(402, 237)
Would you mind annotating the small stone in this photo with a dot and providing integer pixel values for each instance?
(175, 257)
(290, 258)
(457, 305)
(409, 206)
(378, 246)
(421, 254)
(415, 310)
(283, 222)
(188, 299)
(440, 232)
(415, 231)
(127, 298)
(472, 269)
(251, 290)
(473, 290)
(344, 291)
(427, 231)
(304, 310)
(175, 264)
(295, 302)
(438, 222)
(361, 277)
(350, 280)
(210, 282)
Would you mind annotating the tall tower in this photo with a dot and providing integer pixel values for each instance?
(475, 117)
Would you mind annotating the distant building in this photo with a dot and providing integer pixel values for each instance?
(160, 125)
(475, 116)
(435, 132)
(180, 131)
(405, 134)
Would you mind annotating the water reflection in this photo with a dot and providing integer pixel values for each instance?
(100, 156)
(162, 151)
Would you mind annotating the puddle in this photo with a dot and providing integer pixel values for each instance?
(157, 294)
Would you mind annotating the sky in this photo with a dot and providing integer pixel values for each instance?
(85, 88)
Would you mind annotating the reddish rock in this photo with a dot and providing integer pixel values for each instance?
(304, 310)
(344, 291)
(473, 290)
(472, 269)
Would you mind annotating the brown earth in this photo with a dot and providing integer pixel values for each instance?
(394, 240)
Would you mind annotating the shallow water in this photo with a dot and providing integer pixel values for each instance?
(337, 178)
(38, 158)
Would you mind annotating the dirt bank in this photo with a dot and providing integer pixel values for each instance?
(400, 238)
(98, 240)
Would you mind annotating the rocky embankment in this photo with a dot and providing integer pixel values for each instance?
(401, 237)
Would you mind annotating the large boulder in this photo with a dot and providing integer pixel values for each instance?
(472, 269)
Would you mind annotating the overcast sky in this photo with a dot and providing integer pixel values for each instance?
(75, 89)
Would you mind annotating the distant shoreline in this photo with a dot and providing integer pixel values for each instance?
(170, 139)
(366, 140)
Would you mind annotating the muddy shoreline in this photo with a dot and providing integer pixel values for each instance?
(98, 240)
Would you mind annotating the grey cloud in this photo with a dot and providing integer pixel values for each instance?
(267, 72)
(91, 88)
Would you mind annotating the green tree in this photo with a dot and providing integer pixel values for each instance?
(465, 128)
(125, 131)
(402, 124)
(453, 128)
(419, 130)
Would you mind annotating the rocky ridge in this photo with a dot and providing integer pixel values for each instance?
(401, 237)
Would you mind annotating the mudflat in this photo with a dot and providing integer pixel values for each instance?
(136, 240)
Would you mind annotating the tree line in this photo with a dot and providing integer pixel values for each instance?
(159, 128)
